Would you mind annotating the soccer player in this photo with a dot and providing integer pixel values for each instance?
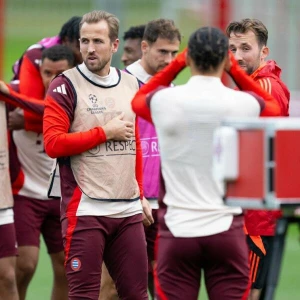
(29, 82)
(53, 62)
(35, 214)
(131, 53)
(27, 73)
(8, 246)
(132, 44)
(160, 45)
(197, 231)
(248, 43)
(90, 127)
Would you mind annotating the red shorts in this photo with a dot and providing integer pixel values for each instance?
(8, 244)
(223, 257)
(119, 242)
(34, 217)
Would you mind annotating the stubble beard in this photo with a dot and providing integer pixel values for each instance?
(96, 67)
(251, 69)
(160, 67)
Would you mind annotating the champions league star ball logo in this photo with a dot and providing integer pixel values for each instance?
(145, 147)
(93, 99)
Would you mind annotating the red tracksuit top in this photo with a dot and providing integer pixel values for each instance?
(259, 222)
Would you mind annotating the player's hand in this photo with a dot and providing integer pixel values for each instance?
(16, 119)
(117, 129)
(147, 213)
(230, 62)
(4, 88)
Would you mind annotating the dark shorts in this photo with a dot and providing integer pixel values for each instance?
(119, 242)
(151, 234)
(223, 257)
(260, 258)
(8, 243)
(34, 217)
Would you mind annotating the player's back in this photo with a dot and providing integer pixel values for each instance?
(185, 118)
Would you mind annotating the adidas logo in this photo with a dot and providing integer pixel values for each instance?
(61, 89)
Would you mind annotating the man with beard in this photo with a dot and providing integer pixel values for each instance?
(248, 43)
(159, 46)
(90, 127)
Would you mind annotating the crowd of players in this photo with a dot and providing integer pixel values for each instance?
(133, 216)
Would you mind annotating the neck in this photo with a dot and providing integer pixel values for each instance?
(262, 64)
(210, 73)
(218, 73)
(103, 72)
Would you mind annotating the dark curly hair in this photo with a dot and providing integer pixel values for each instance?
(134, 32)
(70, 30)
(207, 47)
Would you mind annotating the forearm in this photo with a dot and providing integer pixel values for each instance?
(58, 144)
(162, 78)
(57, 139)
(33, 122)
(33, 110)
(27, 103)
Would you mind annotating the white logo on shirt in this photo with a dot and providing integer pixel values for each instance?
(61, 89)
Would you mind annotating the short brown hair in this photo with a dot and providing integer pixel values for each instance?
(99, 15)
(161, 28)
(256, 26)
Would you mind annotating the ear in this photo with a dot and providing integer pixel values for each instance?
(264, 52)
(144, 46)
(115, 45)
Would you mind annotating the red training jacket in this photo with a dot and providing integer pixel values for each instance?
(260, 222)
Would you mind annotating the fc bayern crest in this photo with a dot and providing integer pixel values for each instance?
(75, 264)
